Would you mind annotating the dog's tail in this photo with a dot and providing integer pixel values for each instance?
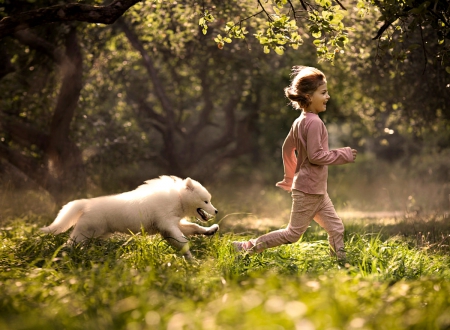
(67, 217)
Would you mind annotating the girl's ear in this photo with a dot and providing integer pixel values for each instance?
(189, 184)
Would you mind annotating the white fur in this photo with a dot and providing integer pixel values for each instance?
(158, 206)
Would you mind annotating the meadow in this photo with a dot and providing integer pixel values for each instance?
(396, 276)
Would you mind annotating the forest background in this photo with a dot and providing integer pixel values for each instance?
(181, 88)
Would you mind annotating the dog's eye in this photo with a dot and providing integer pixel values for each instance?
(206, 202)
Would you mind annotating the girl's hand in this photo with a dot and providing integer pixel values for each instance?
(354, 152)
(284, 185)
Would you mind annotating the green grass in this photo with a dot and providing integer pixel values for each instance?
(396, 277)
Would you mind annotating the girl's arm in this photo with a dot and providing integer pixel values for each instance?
(289, 162)
(316, 153)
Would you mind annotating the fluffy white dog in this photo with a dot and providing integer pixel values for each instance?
(158, 206)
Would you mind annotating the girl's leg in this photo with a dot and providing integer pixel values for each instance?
(304, 207)
(328, 219)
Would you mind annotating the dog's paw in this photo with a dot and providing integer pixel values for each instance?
(188, 256)
(212, 230)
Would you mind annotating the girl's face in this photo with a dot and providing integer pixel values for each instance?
(319, 100)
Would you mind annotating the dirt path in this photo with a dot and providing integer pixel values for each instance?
(243, 223)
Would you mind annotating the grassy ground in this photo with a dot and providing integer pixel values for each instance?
(396, 277)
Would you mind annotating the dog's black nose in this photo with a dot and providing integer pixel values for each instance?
(217, 211)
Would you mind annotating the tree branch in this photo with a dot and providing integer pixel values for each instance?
(246, 128)
(28, 38)
(303, 5)
(293, 10)
(438, 15)
(64, 13)
(242, 142)
(169, 151)
(27, 165)
(148, 63)
(5, 63)
(157, 120)
(192, 153)
(228, 134)
(208, 106)
(341, 5)
(381, 30)
(265, 11)
(424, 50)
(23, 133)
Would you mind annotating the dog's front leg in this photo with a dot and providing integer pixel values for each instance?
(189, 228)
(177, 240)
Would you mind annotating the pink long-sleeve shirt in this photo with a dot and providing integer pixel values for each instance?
(308, 170)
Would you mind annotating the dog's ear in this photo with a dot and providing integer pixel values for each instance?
(189, 184)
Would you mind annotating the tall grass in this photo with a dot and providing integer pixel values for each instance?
(139, 282)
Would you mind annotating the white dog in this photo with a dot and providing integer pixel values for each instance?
(158, 206)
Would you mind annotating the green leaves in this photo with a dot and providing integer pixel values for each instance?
(221, 41)
(328, 30)
(323, 3)
(232, 31)
(280, 3)
(281, 31)
(325, 24)
(362, 8)
(416, 19)
(204, 20)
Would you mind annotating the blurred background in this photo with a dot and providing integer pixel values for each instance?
(90, 109)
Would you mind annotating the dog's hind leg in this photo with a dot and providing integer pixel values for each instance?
(85, 230)
(189, 228)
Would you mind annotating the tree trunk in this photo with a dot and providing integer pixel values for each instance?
(60, 170)
(65, 170)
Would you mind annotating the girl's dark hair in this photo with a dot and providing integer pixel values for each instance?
(305, 81)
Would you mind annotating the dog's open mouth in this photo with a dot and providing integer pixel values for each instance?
(205, 216)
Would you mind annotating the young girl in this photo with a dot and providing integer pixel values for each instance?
(306, 158)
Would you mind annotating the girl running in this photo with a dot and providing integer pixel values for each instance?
(306, 158)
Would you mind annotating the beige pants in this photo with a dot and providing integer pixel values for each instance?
(306, 207)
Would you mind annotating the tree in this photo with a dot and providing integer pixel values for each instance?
(199, 129)
(155, 88)
(427, 22)
(169, 111)
(325, 22)
(106, 14)
(395, 105)
(51, 159)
